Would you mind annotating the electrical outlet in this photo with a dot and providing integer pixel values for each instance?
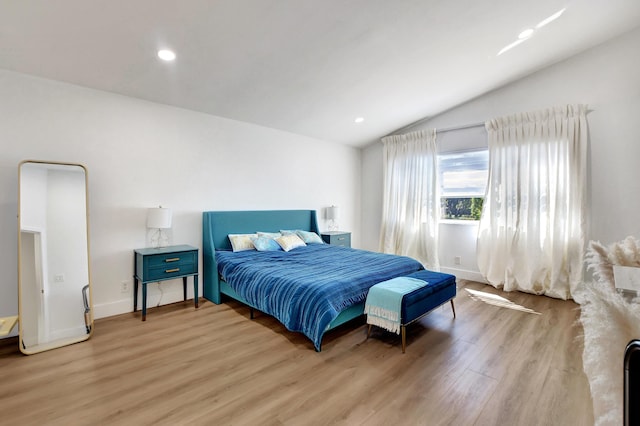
(457, 260)
(58, 278)
(124, 287)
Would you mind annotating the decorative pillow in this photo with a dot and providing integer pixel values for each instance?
(265, 244)
(241, 242)
(289, 242)
(309, 237)
(287, 231)
(269, 234)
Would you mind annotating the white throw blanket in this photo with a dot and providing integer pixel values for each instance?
(610, 321)
(384, 301)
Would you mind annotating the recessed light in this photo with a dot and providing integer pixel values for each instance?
(525, 34)
(511, 46)
(551, 18)
(166, 55)
(359, 119)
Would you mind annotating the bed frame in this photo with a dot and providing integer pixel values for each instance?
(217, 225)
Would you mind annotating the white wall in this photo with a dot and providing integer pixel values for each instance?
(139, 155)
(607, 79)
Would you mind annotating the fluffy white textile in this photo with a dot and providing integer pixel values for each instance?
(610, 321)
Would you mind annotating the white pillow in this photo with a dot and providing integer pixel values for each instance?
(289, 242)
(242, 242)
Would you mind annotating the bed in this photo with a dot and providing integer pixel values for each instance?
(310, 289)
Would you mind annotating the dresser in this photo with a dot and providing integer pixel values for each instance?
(337, 238)
(161, 264)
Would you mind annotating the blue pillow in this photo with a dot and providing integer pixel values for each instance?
(265, 244)
(310, 237)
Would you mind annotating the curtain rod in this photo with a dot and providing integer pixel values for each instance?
(399, 131)
(462, 127)
(444, 130)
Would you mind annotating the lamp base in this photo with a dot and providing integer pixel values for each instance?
(159, 238)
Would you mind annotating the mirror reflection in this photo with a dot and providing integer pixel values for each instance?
(53, 257)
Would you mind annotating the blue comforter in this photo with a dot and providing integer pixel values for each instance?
(306, 288)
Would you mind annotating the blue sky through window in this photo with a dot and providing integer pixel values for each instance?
(463, 174)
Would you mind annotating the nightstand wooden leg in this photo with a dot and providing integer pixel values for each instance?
(195, 290)
(135, 294)
(144, 301)
(184, 289)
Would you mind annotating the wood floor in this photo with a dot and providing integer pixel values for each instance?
(495, 364)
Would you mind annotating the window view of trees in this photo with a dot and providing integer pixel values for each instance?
(462, 208)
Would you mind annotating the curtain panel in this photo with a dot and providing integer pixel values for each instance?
(411, 205)
(531, 233)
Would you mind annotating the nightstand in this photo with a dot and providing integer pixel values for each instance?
(337, 238)
(161, 264)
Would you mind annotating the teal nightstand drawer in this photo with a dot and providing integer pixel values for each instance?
(170, 259)
(170, 270)
(337, 238)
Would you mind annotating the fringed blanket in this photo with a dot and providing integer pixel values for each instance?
(384, 302)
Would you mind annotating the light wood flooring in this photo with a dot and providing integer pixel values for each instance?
(492, 365)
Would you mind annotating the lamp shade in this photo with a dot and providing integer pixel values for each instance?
(332, 213)
(159, 218)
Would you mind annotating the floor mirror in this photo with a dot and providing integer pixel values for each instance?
(54, 288)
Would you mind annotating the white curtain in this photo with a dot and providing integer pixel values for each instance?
(411, 205)
(531, 233)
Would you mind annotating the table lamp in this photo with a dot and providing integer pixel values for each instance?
(332, 216)
(158, 219)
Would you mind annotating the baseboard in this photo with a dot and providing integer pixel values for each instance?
(110, 309)
(154, 297)
(464, 274)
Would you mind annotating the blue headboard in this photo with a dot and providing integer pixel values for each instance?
(216, 226)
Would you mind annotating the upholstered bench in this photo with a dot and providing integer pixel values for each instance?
(440, 288)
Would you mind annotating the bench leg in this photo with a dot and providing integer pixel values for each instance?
(403, 329)
(369, 331)
(453, 308)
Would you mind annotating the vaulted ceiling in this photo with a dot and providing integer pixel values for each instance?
(305, 66)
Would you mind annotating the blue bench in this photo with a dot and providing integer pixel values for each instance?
(441, 288)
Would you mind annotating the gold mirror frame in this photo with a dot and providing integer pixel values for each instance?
(36, 291)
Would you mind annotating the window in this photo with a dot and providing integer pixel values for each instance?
(463, 180)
